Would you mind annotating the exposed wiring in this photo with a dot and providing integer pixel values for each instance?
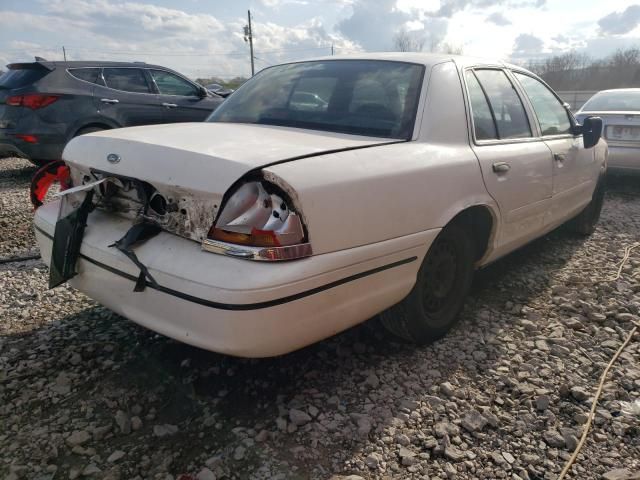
(594, 404)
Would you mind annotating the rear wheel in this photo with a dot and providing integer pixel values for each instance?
(443, 281)
(585, 223)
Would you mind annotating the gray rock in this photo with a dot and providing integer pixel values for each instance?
(123, 421)
(78, 437)
(580, 394)
(298, 417)
(239, 453)
(543, 402)
(407, 457)
(553, 438)
(90, 469)
(620, 474)
(508, 457)
(115, 456)
(447, 389)
(164, 430)
(454, 454)
(373, 460)
(205, 474)
(473, 421)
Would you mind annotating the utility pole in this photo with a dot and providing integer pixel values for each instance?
(64, 52)
(248, 37)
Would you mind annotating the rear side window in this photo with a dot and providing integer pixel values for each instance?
(506, 106)
(552, 116)
(483, 123)
(170, 84)
(21, 77)
(91, 75)
(126, 79)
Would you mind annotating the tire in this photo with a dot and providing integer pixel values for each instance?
(442, 284)
(85, 130)
(585, 223)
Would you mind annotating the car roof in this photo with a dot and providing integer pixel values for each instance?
(427, 59)
(51, 65)
(611, 90)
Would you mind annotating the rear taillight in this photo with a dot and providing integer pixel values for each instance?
(26, 137)
(46, 177)
(259, 222)
(33, 101)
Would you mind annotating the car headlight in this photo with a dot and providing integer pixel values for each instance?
(258, 222)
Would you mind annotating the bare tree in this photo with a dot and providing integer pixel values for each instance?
(577, 71)
(404, 41)
(449, 48)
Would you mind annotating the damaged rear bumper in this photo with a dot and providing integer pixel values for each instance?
(249, 309)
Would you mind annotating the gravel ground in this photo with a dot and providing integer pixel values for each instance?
(85, 393)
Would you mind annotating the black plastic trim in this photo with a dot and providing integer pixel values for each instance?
(243, 306)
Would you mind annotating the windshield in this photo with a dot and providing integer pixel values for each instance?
(614, 101)
(359, 97)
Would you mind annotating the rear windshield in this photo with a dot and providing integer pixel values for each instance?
(360, 97)
(21, 77)
(614, 101)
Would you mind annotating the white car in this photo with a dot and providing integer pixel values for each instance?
(270, 227)
(620, 113)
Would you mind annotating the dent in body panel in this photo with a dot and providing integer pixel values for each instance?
(185, 214)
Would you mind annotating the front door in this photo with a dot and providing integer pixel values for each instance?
(516, 165)
(127, 97)
(573, 165)
(181, 99)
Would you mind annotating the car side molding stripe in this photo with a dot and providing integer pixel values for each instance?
(243, 306)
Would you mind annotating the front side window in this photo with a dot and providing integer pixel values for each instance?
(358, 97)
(509, 114)
(126, 79)
(483, 122)
(170, 84)
(552, 116)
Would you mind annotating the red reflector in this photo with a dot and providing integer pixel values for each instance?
(31, 100)
(27, 138)
(45, 177)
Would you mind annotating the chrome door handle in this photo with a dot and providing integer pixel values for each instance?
(109, 100)
(169, 105)
(559, 157)
(501, 167)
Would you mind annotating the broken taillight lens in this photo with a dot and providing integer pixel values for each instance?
(256, 217)
(46, 177)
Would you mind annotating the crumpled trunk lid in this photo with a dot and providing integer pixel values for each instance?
(182, 171)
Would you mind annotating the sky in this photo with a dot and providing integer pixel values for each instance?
(203, 38)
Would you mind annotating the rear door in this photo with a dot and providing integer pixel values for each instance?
(127, 97)
(574, 167)
(181, 98)
(516, 165)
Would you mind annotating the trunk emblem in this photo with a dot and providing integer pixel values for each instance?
(113, 158)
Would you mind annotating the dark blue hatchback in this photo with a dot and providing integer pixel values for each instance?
(45, 104)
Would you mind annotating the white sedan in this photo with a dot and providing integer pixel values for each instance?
(278, 223)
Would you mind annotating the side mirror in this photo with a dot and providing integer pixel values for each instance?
(202, 92)
(591, 131)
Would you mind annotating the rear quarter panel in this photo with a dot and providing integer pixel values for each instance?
(373, 194)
